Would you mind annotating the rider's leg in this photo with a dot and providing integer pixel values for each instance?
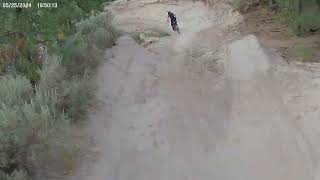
(173, 24)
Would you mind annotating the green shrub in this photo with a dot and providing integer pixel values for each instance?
(29, 69)
(301, 16)
(52, 74)
(75, 95)
(16, 175)
(101, 20)
(77, 98)
(83, 51)
(36, 121)
(103, 38)
(303, 52)
(309, 21)
(76, 56)
(36, 118)
(27, 124)
(14, 91)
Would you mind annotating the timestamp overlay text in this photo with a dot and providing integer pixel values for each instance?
(18, 5)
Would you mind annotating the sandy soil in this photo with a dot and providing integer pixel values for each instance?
(201, 105)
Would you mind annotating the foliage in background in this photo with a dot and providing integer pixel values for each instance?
(83, 51)
(34, 123)
(36, 118)
(77, 98)
(76, 95)
(28, 122)
(302, 16)
(16, 175)
(24, 31)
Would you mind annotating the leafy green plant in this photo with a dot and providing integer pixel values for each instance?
(75, 56)
(36, 119)
(52, 74)
(305, 53)
(83, 51)
(98, 30)
(302, 16)
(76, 95)
(14, 91)
(16, 175)
(29, 69)
(33, 128)
(309, 21)
(28, 120)
(77, 98)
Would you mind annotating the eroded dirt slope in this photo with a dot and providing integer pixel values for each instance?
(201, 105)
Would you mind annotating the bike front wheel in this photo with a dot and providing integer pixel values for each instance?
(177, 29)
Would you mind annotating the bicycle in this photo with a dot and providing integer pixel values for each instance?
(176, 28)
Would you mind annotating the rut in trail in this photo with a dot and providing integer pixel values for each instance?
(193, 106)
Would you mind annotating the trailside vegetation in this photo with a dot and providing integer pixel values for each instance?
(302, 16)
(47, 59)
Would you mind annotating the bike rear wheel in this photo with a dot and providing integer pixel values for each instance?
(176, 28)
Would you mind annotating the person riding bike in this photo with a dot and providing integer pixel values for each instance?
(173, 19)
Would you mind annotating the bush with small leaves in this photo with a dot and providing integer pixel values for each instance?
(28, 121)
(25, 130)
(52, 74)
(16, 175)
(83, 51)
(14, 91)
(36, 119)
(302, 16)
(77, 97)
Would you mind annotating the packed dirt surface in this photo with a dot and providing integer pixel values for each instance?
(201, 105)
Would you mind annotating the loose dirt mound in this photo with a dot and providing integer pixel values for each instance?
(194, 106)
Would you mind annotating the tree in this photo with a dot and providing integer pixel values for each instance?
(25, 31)
(318, 3)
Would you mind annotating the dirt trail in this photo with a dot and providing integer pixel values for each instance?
(194, 106)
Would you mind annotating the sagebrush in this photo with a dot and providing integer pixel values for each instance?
(302, 16)
(40, 103)
(84, 51)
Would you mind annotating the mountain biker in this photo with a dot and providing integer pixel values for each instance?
(173, 19)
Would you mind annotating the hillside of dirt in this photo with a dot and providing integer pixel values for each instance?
(211, 103)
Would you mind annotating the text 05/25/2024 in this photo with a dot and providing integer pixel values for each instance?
(16, 5)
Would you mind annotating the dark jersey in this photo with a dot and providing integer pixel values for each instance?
(173, 18)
